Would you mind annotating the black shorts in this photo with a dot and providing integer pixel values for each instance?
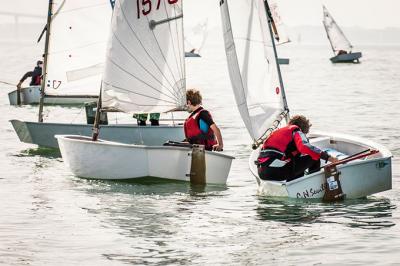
(292, 170)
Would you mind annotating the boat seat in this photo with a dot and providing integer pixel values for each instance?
(335, 153)
(178, 144)
(338, 154)
(320, 141)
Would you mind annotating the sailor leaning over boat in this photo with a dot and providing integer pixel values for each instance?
(199, 126)
(35, 75)
(287, 153)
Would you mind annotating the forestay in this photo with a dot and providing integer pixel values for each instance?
(145, 69)
(335, 35)
(78, 40)
(252, 64)
(280, 26)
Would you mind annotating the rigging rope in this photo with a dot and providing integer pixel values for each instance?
(144, 48)
(269, 130)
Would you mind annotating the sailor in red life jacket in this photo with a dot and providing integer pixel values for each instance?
(199, 126)
(287, 153)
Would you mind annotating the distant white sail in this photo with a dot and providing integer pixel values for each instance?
(145, 66)
(253, 76)
(335, 35)
(78, 40)
(196, 36)
(280, 26)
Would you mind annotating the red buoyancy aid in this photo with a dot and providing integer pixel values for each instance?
(194, 134)
(280, 142)
(37, 80)
(280, 138)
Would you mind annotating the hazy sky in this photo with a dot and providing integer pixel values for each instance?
(362, 13)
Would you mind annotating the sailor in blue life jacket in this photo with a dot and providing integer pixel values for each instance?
(287, 153)
(199, 126)
(36, 75)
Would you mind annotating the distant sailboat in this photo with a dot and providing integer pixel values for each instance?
(279, 28)
(74, 53)
(260, 97)
(77, 40)
(341, 46)
(195, 39)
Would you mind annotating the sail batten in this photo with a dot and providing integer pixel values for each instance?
(252, 64)
(142, 81)
(77, 45)
(335, 35)
(145, 69)
(144, 49)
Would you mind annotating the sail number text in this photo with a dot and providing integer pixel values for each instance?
(144, 7)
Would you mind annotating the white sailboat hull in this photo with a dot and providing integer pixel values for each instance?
(31, 95)
(359, 178)
(113, 161)
(42, 134)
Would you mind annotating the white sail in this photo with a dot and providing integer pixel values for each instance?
(280, 26)
(196, 36)
(78, 40)
(335, 35)
(252, 65)
(145, 66)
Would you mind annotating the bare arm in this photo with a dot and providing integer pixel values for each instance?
(220, 145)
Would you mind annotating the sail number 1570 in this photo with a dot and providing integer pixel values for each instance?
(144, 7)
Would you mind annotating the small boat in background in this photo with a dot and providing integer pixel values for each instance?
(195, 39)
(76, 50)
(280, 32)
(75, 45)
(341, 46)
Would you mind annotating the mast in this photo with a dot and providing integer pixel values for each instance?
(44, 70)
(96, 127)
(326, 28)
(271, 22)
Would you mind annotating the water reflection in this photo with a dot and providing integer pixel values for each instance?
(148, 186)
(45, 152)
(369, 213)
(151, 216)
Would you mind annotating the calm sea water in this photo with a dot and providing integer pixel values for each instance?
(50, 217)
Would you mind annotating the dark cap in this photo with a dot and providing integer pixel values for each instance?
(39, 62)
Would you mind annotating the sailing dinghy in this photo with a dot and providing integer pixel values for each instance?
(152, 80)
(260, 96)
(75, 45)
(341, 46)
(195, 39)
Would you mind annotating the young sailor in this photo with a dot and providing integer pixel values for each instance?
(35, 75)
(287, 153)
(199, 126)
